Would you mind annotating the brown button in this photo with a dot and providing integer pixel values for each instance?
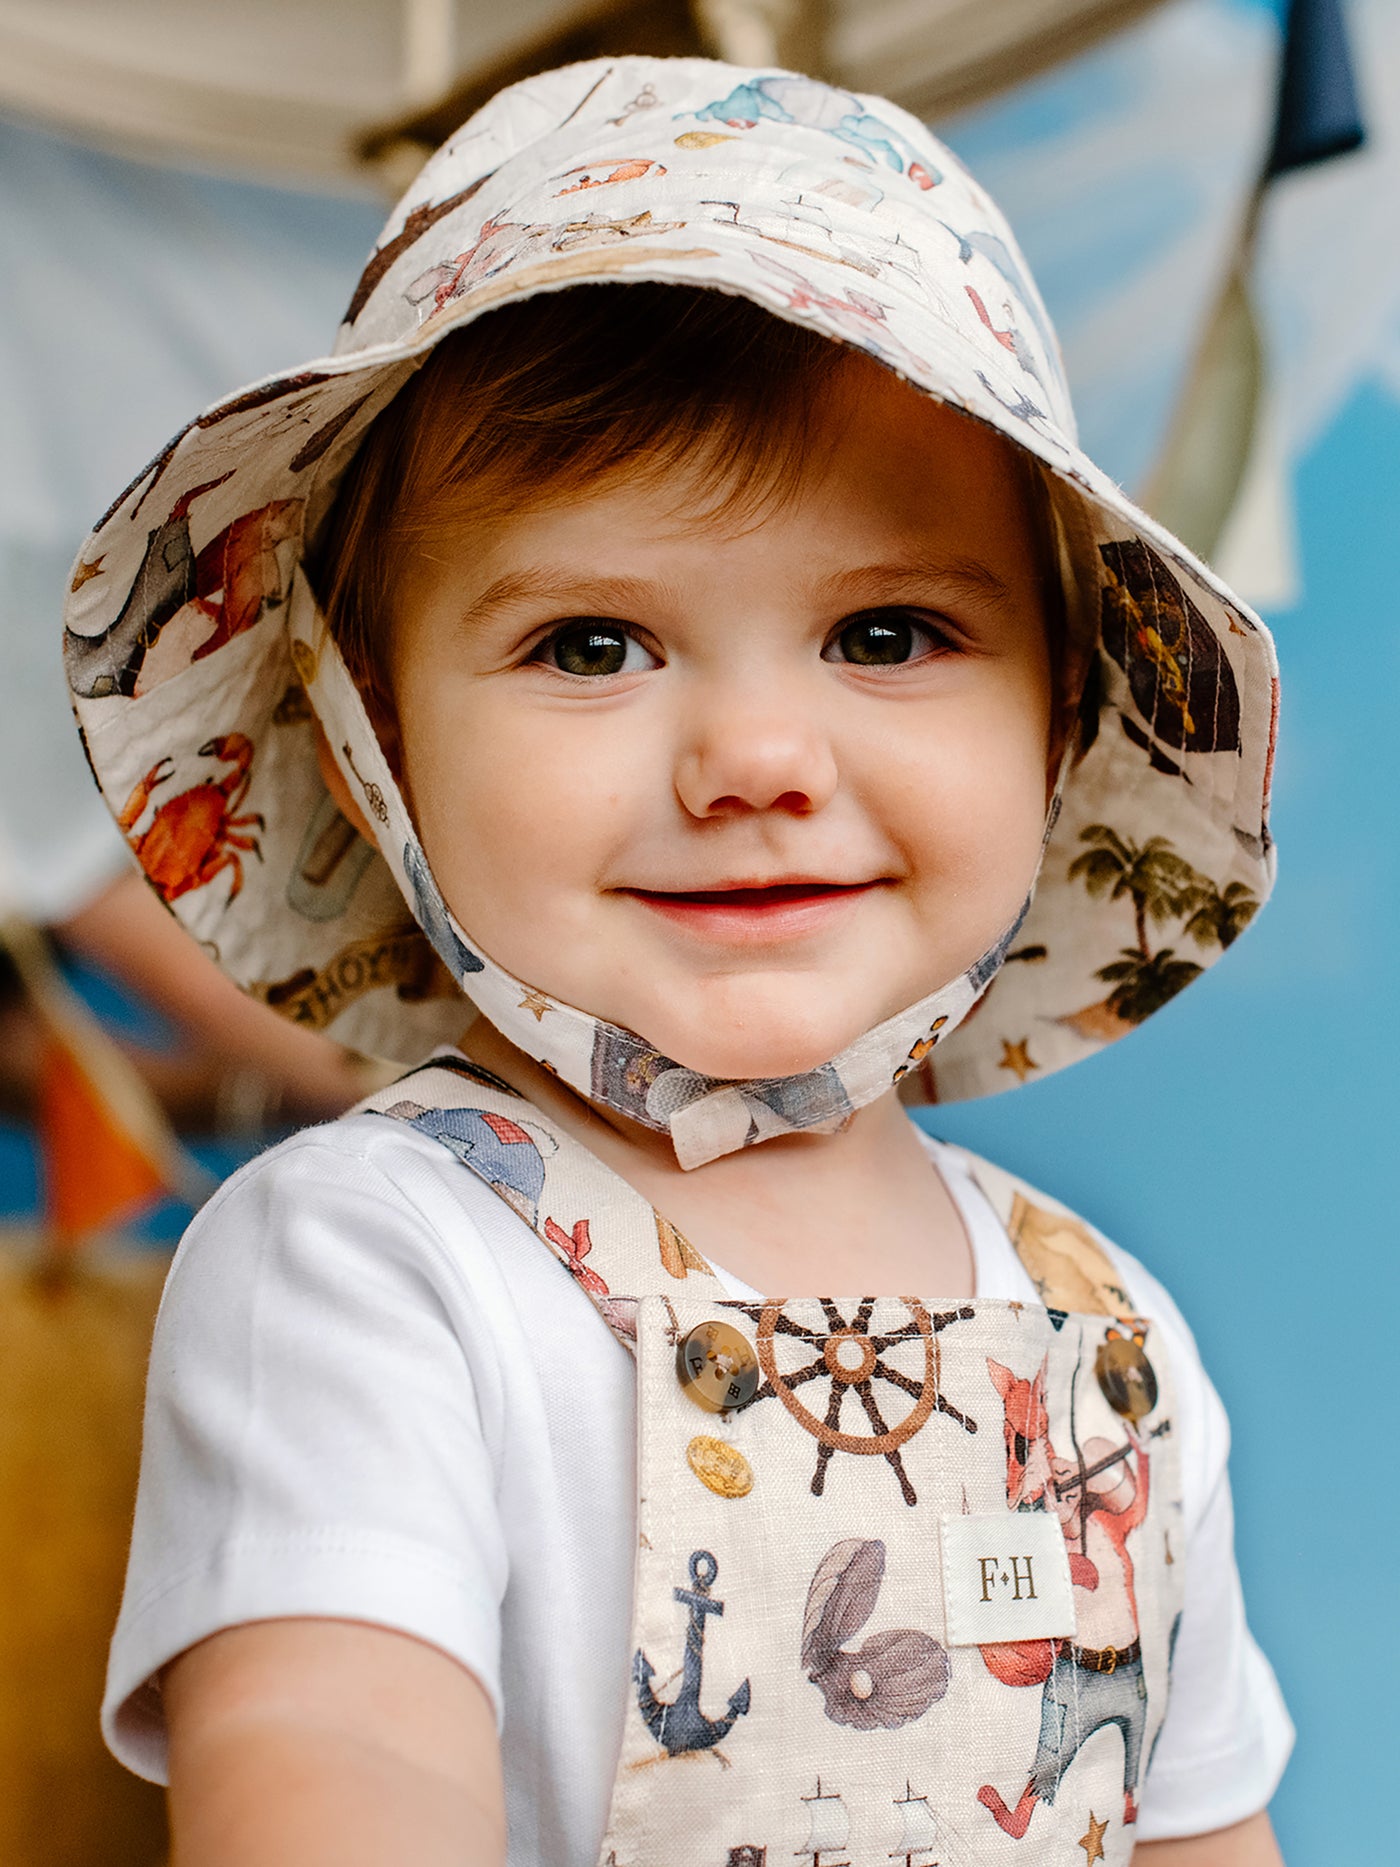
(717, 1367)
(1126, 1377)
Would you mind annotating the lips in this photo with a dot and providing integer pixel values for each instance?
(752, 894)
(747, 911)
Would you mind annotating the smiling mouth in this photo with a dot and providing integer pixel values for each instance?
(752, 897)
(749, 914)
(773, 913)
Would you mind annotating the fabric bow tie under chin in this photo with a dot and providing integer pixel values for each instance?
(707, 1116)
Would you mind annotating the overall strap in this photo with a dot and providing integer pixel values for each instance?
(605, 1234)
(1063, 1257)
(610, 1238)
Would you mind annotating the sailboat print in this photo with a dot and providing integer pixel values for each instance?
(920, 1836)
(831, 1828)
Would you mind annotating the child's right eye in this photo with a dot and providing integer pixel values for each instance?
(594, 649)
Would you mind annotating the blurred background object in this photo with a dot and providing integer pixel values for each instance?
(187, 194)
(299, 88)
(73, 1346)
(75, 1321)
(136, 295)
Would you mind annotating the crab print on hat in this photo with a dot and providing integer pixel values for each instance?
(197, 833)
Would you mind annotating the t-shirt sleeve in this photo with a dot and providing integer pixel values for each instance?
(313, 1439)
(1227, 1735)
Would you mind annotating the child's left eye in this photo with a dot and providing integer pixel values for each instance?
(594, 649)
(885, 638)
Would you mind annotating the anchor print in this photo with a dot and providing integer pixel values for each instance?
(682, 1726)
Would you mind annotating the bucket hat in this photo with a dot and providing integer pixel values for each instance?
(196, 652)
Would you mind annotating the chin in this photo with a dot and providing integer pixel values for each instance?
(751, 1048)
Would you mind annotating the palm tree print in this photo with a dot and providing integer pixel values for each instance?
(1162, 886)
(1222, 915)
(1142, 986)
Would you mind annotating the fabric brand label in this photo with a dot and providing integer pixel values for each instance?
(1006, 1577)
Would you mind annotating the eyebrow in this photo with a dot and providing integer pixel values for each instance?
(960, 577)
(963, 577)
(583, 595)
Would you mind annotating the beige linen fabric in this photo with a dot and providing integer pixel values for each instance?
(803, 1682)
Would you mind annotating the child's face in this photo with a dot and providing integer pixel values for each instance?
(746, 789)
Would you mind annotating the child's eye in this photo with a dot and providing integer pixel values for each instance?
(885, 638)
(594, 648)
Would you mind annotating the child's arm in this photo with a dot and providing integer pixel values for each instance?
(1247, 1844)
(318, 1743)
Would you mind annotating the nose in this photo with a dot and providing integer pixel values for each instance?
(753, 751)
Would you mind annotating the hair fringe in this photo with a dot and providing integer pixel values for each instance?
(598, 384)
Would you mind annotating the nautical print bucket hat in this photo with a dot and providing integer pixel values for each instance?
(198, 658)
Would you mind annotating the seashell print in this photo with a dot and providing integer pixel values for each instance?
(892, 1677)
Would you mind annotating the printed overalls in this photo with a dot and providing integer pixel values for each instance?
(906, 1580)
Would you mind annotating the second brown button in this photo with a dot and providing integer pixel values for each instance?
(717, 1367)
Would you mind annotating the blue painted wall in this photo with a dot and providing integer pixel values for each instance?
(1237, 1144)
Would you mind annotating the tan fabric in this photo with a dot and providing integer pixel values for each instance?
(264, 87)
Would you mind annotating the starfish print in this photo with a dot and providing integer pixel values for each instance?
(536, 1002)
(1092, 1843)
(1017, 1058)
(84, 572)
(853, 1357)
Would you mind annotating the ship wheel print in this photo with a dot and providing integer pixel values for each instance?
(861, 1364)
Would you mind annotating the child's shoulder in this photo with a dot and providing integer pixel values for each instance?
(358, 1198)
(387, 1160)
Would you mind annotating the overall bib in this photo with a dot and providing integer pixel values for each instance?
(906, 1577)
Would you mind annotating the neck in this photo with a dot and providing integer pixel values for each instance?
(859, 1211)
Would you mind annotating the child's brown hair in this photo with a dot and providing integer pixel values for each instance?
(538, 399)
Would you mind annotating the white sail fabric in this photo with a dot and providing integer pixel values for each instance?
(920, 1830)
(830, 1824)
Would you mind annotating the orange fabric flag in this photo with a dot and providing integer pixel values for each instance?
(96, 1171)
(105, 1142)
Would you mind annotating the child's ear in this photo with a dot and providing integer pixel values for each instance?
(334, 780)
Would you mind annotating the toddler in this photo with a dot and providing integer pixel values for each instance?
(678, 617)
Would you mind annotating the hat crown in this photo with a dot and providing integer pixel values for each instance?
(673, 155)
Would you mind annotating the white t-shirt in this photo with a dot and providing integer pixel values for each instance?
(373, 1395)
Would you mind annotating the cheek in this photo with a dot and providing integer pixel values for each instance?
(969, 805)
(517, 809)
